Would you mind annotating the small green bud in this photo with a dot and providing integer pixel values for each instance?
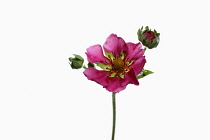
(76, 62)
(148, 38)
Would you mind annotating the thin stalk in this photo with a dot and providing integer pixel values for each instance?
(114, 114)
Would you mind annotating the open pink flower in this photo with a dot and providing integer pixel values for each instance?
(120, 63)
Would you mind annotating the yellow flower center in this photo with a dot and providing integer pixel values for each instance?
(118, 67)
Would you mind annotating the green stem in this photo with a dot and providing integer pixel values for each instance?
(114, 114)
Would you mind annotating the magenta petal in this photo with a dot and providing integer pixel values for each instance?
(132, 77)
(138, 65)
(95, 54)
(115, 44)
(112, 84)
(115, 84)
(134, 51)
(98, 76)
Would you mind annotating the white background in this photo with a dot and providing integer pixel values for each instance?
(42, 98)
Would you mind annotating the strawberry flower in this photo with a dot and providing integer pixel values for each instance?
(120, 63)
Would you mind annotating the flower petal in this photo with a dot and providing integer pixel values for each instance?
(115, 45)
(138, 65)
(95, 54)
(99, 76)
(112, 84)
(116, 84)
(134, 51)
(132, 77)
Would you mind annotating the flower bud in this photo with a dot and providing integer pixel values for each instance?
(148, 38)
(76, 62)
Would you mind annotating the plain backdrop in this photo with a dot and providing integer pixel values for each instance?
(42, 98)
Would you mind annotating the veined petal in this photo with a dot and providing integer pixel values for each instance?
(99, 76)
(132, 77)
(112, 84)
(134, 51)
(115, 84)
(138, 65)
(95, 54)
(115, 44)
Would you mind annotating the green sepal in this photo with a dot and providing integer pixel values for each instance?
(91, 65)
(103, 66)
(147, 28)
(109, 55)
(144, 73)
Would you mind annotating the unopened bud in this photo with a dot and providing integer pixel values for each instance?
(148, 38)
(76, 62)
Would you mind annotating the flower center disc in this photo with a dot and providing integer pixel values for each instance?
(118, 65)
